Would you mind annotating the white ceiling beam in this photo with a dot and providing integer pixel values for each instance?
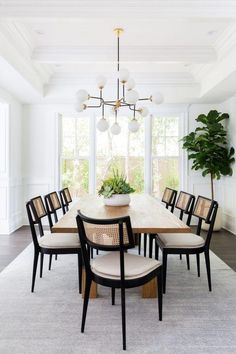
(107, 8)
(15, 50)
(88, 54)
(141, 78)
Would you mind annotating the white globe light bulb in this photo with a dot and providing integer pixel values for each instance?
(132, 97)
(115, 129)
(133, 126)
(102, 125)
(130, 84)
(79, 107)
(123, 75)
(157, 98)
(101, 81)
(82, 95)
(144, 111)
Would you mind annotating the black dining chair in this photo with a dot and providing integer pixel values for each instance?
(52, 204)
(117, 268)
(185, 203)
(49, 243)
(205, 209)
(65, 198)
(168, 198)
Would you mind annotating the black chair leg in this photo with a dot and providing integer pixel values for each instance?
(139, 243)
(150, 245)
(164, 263)
(50, 262)
(198, 264)
(180, 256)
(145, 244)
(86, 300)
(208, 268)
(92, 252)
(56, 257)
(123, 317)
(41, 264)
(156, 251)
(96, 252)
(80, 263)
(36, 256)
(160, 294)
(113, 294)
(188, 263)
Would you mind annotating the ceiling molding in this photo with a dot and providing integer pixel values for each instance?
(107, 8)
(165, 79)
(226, 42)
(16, 48)
(89, 54)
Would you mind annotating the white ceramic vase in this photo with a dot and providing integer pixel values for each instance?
(117, 200)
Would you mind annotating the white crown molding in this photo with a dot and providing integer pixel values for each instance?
(16, 50)
(19, 38)
(226, 42)
(89, 54)
(125, 9)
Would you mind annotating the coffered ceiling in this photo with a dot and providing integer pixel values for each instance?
(185, 49)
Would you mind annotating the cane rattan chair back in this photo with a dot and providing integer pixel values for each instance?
(53, 204)
(205, 209)
(104, 234)
(185, 203)
(36, 211)
(169, 198)
(65, 198)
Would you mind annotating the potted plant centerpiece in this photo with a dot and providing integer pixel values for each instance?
(208, 147)
(116, 190)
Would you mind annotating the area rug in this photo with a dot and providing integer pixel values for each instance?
(48, 321)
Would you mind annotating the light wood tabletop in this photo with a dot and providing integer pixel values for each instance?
(147, 215)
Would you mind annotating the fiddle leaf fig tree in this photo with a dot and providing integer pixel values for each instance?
(207, 146)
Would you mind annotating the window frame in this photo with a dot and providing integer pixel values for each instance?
(182, 113)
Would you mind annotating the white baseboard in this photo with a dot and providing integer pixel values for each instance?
(229, 223)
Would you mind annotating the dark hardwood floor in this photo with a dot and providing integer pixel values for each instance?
(223, 244)
(13, 244)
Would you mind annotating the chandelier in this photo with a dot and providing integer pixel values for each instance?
(126, 97)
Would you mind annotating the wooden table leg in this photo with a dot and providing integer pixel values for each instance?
(149, 290)
(93, 289)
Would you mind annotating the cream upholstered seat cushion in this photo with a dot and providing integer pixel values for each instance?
(57, 240)
(187, 240)
(108, 266)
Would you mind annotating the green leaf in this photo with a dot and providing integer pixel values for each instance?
(115, 185)
(207, 146)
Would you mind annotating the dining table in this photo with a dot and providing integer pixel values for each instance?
(147, 214)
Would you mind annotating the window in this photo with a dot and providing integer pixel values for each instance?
(124, 152)
(75, 154)
(88, 156)
(165, 154)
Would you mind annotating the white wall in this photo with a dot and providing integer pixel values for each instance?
(11, 174)
(227, 185)
(40, 165)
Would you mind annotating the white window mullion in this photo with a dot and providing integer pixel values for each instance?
(92, 154)
(148, 156)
